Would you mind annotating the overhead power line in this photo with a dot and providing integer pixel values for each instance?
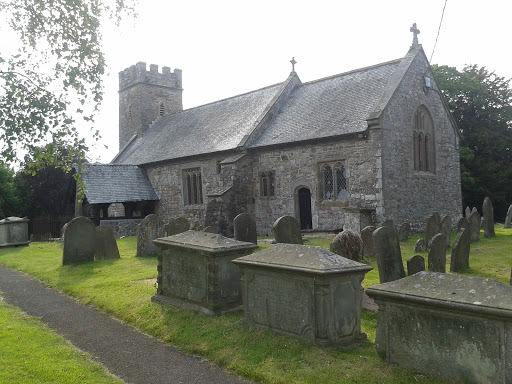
(438, 30)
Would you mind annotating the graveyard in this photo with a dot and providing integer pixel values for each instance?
(123, 288)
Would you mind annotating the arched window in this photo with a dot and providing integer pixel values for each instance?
(423, 141)
(267, 183)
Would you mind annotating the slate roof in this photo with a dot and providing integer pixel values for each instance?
(213, 127)
(332, 106)
(327, 107)
(106, 183)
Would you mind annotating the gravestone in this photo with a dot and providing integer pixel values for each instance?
(404, 232)
(432, 228)
(175, 226)
(367, 238)
(508, 219)
(244, 228)
(387, 223)
(415, 264)
(437, 254)
(467, 212)
(286, 229)
(106, 245)
(474, 226)
(474, 210)
(420, 246)
(348, 244)
(460, 251)
(148, 230)
(79, 241)
(445, 228)
(14, 231)
(454, 327)
(305, 292)
(488, 214)
(195, 271)
(196, 226)
(462, 223)
(389, 256)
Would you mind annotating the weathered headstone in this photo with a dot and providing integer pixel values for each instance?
(432, 228)
(460, 251)
(106, 245)
(462, 223)
(474, 210)
(389, 256)
(286, 229)
(488, 214)
(508, 219)
(304, 292)
(367, 238)
(415, 264)
(175, 226)
(467, 212)
(244, 228)
(148, 230)
(455, 327)
(79, 241)
(404, 232)
(446, 228)
(437, 254)
(474, 226)
(420, 246)
(387, 223)
(348, 244)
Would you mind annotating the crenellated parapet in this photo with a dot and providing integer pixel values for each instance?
(138, 73)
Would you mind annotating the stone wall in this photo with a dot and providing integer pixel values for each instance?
(297, 167)
(122, 227)
(409, 195)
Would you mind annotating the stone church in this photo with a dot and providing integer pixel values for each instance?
(345, 151)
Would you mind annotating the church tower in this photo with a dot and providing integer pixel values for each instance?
(144, 96)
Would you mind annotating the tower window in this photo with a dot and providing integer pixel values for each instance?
(162, 109)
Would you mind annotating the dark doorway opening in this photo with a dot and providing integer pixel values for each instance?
(305, 209)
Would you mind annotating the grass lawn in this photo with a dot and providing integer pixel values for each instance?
(123, 288)
(32, 353)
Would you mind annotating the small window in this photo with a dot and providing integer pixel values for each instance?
(267, 183)
(334, 181)
(193, 186)
(162, 109)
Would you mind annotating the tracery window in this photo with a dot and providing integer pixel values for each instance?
(334, 181)
(267, 183)
(192, 186)
(423, 143)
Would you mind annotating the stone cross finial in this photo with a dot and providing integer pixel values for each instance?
(293, 63)
(416, 32)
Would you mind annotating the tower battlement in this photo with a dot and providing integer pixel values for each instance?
(138, 73)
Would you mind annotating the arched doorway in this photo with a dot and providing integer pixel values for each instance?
(304, 195)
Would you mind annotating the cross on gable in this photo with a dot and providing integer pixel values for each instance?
(293, 63)
(414, 29)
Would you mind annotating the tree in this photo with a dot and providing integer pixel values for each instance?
(481, 103)
(14, 194)
(55, 75)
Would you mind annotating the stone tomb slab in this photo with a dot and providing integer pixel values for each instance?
(195, 271)
(304, 292)
(14, 232)
(451, 326)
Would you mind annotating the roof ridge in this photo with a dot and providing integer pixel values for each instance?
(227, 98)
(354, 71)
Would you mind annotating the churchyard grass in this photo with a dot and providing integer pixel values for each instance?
(32, 353)
(123, 289)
